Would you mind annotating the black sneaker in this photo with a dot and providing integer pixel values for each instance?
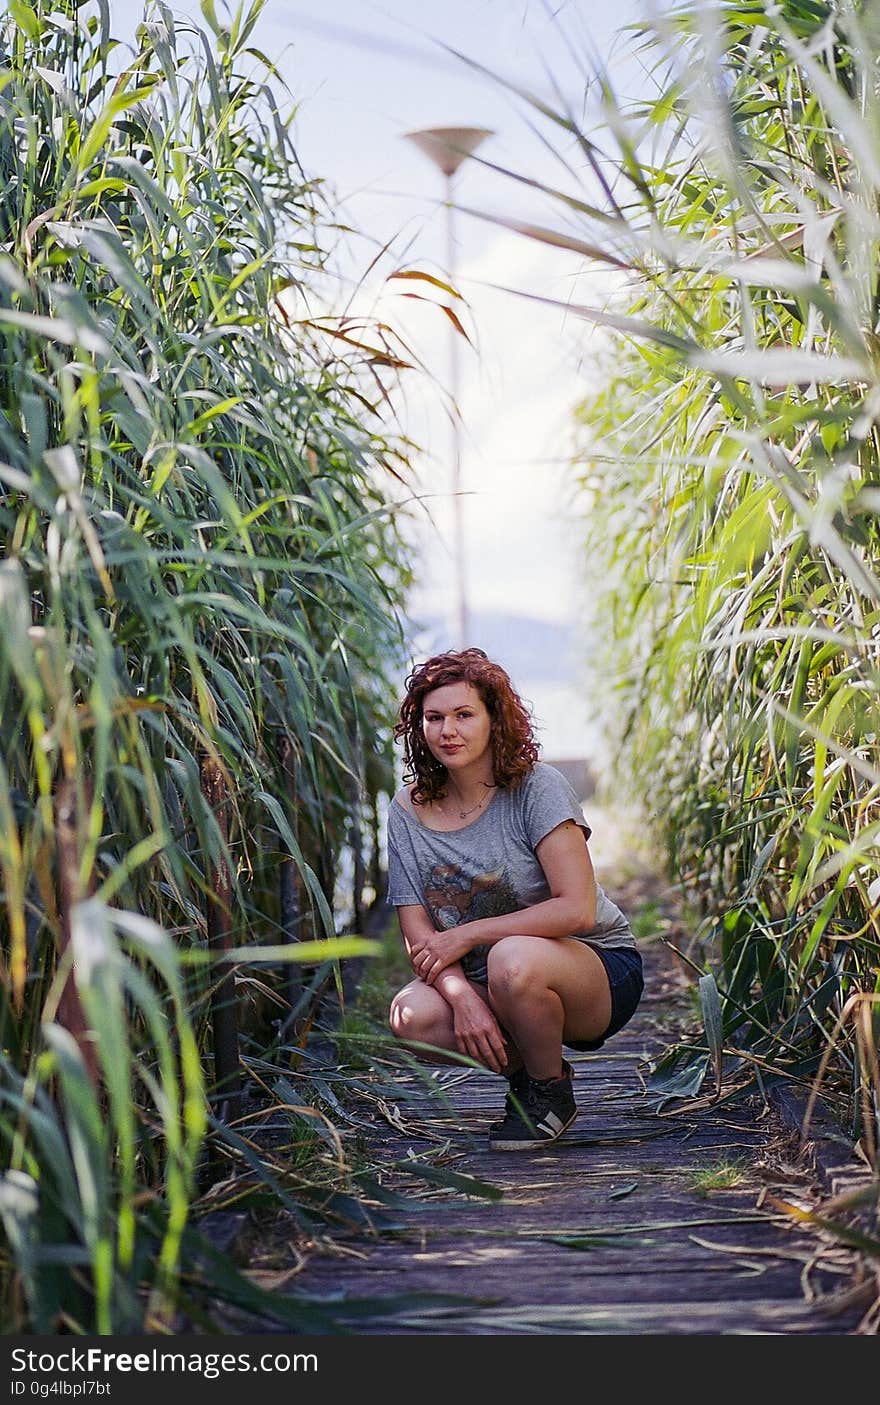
(548, 1108)
(518, 1086)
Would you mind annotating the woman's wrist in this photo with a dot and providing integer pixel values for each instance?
(453, 984)
(471, 932)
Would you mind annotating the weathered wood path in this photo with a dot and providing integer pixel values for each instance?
(606, 1232)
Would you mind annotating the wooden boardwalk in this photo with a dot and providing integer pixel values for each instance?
(606, 1232)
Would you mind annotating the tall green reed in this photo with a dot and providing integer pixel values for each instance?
(733, 471)
(201, 570)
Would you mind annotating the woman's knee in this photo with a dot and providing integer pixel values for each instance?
(401, 1016)
(514, 966)
(412, 1015)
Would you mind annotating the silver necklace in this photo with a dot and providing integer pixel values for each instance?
(463, 814)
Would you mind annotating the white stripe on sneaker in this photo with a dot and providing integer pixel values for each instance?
(551, 1123)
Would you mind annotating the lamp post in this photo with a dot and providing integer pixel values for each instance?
(447, 148)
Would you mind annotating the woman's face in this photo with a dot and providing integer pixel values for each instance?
(456, 725)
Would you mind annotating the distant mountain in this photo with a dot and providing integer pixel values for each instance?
(532, 650)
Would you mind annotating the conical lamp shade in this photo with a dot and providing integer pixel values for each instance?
(447, 147)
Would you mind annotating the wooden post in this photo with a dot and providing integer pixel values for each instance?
(227, 1072)
(70, 1011)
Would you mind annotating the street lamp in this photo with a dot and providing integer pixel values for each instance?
(448, 147)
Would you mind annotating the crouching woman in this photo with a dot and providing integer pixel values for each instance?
(515, 949)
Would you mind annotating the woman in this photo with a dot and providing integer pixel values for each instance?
(515, 949)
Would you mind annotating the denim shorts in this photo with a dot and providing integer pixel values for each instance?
(623, 965)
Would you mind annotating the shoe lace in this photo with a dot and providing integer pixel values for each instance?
(534, 1095)
(539, 1088)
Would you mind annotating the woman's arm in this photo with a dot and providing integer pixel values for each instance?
(571, 907)
(416, 928)
(565, 858)
(477, 1032)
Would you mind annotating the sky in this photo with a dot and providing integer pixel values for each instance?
(363, 75)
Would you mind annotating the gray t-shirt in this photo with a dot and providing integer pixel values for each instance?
(489, 867)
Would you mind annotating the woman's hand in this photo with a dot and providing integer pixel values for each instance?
(478, 1033)
(431, 952)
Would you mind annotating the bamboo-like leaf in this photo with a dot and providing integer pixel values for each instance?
(455, 1180)
(19, 1204)
(60, 329)
(710, 1004)
(554, 237)
(425, 278)
(779, 368)
(88, 1149)
(333, 949)
(845, 1233)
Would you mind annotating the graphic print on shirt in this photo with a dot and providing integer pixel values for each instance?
(454, 897)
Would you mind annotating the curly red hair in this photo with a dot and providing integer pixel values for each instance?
(514, 747)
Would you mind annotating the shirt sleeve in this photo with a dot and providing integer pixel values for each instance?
(402, 877)
(549, 800)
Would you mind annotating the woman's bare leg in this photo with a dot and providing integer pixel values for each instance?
(421, 1015)
(544, 990)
